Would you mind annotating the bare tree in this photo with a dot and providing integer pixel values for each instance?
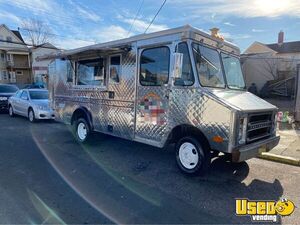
(271, 66)
(36, 31)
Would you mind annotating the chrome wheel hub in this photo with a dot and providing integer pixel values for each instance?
(31, 116)
(188, 155)
(81, 131)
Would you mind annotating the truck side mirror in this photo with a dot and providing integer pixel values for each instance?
(178, 61)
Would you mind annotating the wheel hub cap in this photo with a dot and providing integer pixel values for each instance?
(30, 115)
(81, 131)
(188, 155)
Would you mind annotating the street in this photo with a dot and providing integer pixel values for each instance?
(46, 177)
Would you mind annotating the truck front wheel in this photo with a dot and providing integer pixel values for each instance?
(192, 157)
(81, 130)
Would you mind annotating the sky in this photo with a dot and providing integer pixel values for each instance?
(77, 23)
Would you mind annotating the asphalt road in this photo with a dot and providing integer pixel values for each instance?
(46, 177)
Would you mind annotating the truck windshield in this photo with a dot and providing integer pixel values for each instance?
(233, 72)
(208, 65)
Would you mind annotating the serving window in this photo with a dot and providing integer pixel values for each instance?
(115, 69)
(91, 72)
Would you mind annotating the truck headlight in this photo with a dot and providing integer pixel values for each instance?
(242, 130)
(275, 124)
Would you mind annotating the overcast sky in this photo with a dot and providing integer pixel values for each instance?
(82, 22)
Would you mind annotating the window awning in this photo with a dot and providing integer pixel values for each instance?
(89, 51)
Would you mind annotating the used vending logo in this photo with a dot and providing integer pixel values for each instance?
(264, 210)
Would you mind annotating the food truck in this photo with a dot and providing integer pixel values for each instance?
(181, 86)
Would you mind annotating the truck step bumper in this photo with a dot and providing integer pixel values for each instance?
(252, 150)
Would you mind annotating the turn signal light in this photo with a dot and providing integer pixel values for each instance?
(218, 139)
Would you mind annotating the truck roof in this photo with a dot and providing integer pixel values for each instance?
(186, 31)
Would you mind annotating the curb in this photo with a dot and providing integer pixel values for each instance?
(279, 158)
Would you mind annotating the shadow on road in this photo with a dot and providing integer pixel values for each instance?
(129, 182)
(150, 186)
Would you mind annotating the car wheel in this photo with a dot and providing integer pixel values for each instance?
(81, 130)
(192, 157)
(11, 111)
(31, 116)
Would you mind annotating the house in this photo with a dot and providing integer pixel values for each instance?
(15, 63)
(40, 68)
(272, 63)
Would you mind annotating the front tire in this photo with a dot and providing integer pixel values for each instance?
(31, 116)
(11, 111)
(81, 130)
(192, 157)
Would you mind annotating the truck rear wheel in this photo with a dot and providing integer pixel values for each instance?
(191, 156)
(81, 130)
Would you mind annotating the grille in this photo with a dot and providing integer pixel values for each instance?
(259, 126)
(4, 103)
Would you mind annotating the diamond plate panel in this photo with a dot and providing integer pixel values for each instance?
(154, 129)
(194, 107)
(124, 90)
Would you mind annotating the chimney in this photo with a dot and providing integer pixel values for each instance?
(280, 37)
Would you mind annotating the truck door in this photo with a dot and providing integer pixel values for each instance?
(152, 100)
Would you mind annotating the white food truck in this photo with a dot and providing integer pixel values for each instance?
(180, 86)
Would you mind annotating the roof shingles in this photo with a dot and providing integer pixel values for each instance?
(286, 47)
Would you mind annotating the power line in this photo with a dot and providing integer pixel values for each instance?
(138, 12)
(162, 5)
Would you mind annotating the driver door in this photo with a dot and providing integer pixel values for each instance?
(153, 94)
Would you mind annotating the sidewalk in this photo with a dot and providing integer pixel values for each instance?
(288, 149)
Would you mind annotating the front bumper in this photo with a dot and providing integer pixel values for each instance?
(44, 114)
(252, 150)
(3, 105)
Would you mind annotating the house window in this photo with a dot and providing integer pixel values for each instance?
(91, 72)
(2, 57)
(18, 72)
(154, 69)
(4, 75)
(1, 38)
(9, 57)
(115, 69)
(9, 39)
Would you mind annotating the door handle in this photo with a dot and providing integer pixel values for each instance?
(167, 95)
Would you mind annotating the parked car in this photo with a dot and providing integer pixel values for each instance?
(6, 91)
(31, 103)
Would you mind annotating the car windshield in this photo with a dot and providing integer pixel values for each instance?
(38, 94)
(208, 65)
(8, 89)
(233, 72)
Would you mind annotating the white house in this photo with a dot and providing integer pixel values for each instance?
(40, 68)
(14, 57)
(270, 62)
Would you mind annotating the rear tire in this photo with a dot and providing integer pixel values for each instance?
(11, 111)
(81, 130)
(31, 116)
(192, 157)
